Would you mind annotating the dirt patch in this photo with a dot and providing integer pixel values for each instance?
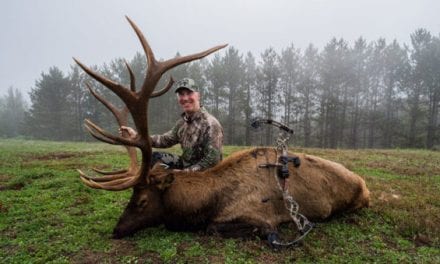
(51, 156)
(123, 247)
(81, 199)
(16, 187)
(88, 256)
(4, 177)
(10, 233)
(120, 249)
(3, 182)
(422, 240)
(3, 208)
(150, 257)
(10, 250)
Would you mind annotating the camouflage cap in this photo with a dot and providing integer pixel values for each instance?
(186, 83)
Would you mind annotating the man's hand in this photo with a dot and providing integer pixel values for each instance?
(124, 130)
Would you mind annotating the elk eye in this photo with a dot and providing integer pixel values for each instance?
(143, 200)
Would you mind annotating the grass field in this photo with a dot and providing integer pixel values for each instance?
(48, 216)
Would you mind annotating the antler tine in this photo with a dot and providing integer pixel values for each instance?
(126, 183)
(116, 182)
(109, 172)
(106, 103)
(90, 181)
(99, 137)
(118, 89)
(132, 78)
(111, 186)
(93, 130)
(109, 178)
(119, 140)
(106, 178)
(147, 49)
(121, 118)
(164, 90)
(169, 64)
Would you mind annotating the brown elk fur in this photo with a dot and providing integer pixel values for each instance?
(238, 191)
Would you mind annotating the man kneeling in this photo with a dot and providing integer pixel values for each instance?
(199, 133)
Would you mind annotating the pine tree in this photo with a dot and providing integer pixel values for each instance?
(12, 109)
(233, 69)
(268, 90)
(307, 91)
(48, 116)
(249, 85)
(290, 70)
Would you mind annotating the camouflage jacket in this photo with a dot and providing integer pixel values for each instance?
(200, 136)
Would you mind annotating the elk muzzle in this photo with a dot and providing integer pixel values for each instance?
(145, 209)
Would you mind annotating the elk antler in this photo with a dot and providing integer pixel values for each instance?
(136, 102)
(121, 116)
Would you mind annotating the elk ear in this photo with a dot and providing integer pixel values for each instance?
(165, 181)
(169, 179)
(161, 177)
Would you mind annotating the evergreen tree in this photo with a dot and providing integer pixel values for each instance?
(233, 69)
(368, 95)
(375, 92)
(307, 91)
(49, 115)
(249, 88)
(395, 65)
(426, 57)
(268, 90)
(12, 109)
(417, 89)
(77, 103)
(290, 70)
(335, 76)
(217, 79)
(360, 83)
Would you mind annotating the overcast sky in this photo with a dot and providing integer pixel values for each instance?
(38, 34)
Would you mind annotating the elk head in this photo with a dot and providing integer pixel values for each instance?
(136, 103)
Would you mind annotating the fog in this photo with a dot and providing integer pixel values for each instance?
(36, 35)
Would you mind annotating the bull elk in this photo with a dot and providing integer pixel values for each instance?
(239, 195)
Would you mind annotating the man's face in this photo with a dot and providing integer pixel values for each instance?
(188, 100)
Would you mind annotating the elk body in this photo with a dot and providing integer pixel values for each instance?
(237, 194)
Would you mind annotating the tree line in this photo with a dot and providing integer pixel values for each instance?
(374, 94)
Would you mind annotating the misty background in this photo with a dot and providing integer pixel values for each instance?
(370, 66)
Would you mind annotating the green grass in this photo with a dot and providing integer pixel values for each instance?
(48, 216)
